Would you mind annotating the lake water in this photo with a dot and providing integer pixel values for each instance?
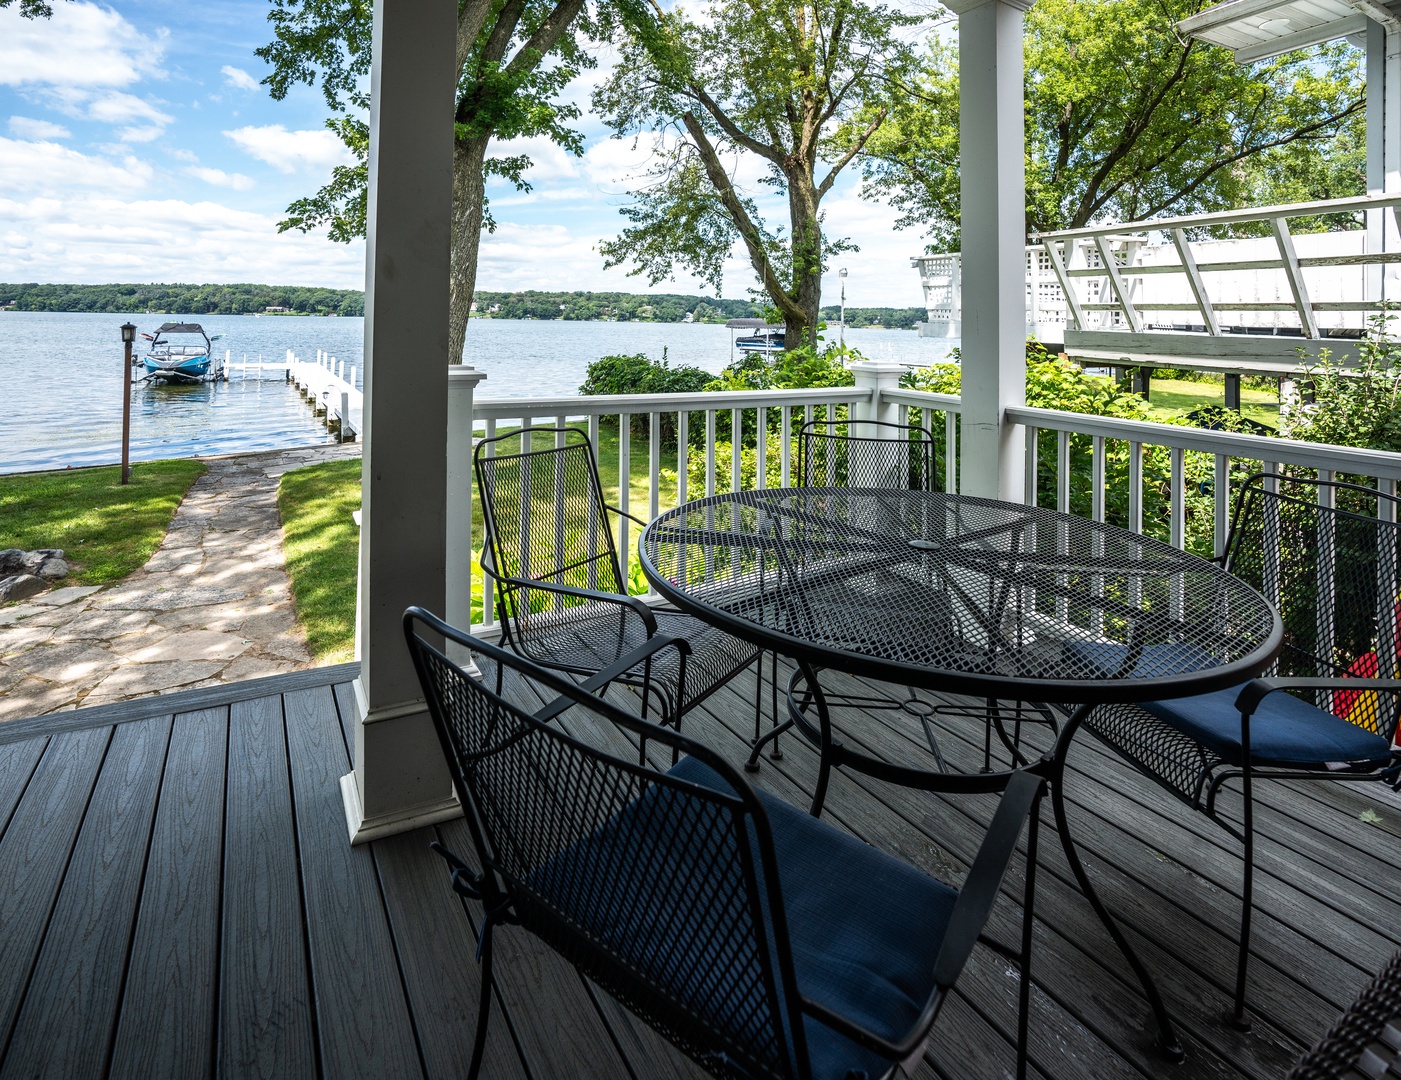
(61, 378)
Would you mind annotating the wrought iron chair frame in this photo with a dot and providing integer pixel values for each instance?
(673, 701)
(916, 439)
(1194, 773)
(508, 899)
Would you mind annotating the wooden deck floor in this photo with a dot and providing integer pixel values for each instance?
(178, 899)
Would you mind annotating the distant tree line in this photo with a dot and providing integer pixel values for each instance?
(894, 318)
(183, 299)
(618, 307)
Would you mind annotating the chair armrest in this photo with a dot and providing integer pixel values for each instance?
(1255, 691)
(638, 608)
(636, 658)
(969, 916)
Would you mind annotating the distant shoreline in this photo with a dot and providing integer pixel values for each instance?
(194, 301)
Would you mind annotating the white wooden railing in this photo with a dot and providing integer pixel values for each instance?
(938, 414)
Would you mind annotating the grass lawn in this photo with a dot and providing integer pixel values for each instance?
(107, 529)
(322, 542)
(1176, 397)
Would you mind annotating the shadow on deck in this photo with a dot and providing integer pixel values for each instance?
(178, 899)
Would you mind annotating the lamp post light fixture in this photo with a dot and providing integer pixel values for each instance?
(128, 337)
(841, 329)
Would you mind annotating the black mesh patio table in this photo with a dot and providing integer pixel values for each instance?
(957, 594)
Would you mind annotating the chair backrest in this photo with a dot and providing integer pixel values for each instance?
(663, 892)
(544, 514)
(1325, 553)
(865, 454)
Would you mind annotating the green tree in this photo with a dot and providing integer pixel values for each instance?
(1356, 404)
(31, 9)
(1125, 121)
(775, 79)
(505, 90)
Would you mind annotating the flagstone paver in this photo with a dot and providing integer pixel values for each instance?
(212, 605)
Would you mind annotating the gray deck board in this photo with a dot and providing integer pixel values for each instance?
(65, 1026)
(265, 1024)
(179, 899)
(174, 969)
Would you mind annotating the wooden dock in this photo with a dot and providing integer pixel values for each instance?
(178, 898)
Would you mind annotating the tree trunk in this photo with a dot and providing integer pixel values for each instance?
(468, 192)
(805, 296)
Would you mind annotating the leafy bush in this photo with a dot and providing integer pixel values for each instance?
(1356, 405)
(638, 374)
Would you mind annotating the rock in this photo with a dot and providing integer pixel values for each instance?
(32, 562)
(53, 570)
(20, 587)
(11, 561)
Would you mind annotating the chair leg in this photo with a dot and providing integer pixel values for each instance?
(1028, 914)
(483, 1007)
(1238, 1018)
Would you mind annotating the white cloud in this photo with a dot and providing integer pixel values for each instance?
(288, 151)
(120, 108)
(549, 161)
(114, 239)
(46, 166)
(140, 134)
(219, 178)
(238, 78)
(81, 44)
(39, 130)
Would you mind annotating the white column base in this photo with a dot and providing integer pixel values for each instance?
(363, 829)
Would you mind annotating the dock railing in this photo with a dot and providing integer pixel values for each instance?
(329, 385)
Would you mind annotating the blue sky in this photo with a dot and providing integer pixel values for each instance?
(136, 144)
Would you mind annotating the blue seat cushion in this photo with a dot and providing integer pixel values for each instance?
(1106, 659)
(865, 928)
(1283, 730)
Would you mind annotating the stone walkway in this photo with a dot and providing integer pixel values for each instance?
(212, 605)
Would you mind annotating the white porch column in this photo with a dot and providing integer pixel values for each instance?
(400, 780)
(462, 385)
(991, 147)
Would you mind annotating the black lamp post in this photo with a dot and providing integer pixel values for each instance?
(128, 336)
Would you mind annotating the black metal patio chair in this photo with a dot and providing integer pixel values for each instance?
(1365, 1042)
(1325, 553)
(560, 592)
(865, 453)
(761, 941)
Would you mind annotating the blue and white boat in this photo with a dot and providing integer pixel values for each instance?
(190, 360)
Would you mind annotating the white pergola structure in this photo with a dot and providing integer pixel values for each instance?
(1260, 29)
(414, 539)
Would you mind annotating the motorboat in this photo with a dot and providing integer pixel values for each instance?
(182, 353)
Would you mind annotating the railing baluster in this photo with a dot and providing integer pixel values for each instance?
(624, 490)
(1135, 486)
(736, 448)
(1327, 556)
(709, 453)
(1387, 645)
(488, 586)
(1221, 509)
(595, 424)
(1033, 450)
(683, 451)
(654, 465)
(951, 452)
(1063, 471)
(761, 468)
(785, 446)
(560, 437)
(1177, 495)
(1097, 478)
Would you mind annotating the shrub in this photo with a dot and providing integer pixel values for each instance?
(638, 374)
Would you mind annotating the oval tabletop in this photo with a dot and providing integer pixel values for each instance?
(960, 593)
